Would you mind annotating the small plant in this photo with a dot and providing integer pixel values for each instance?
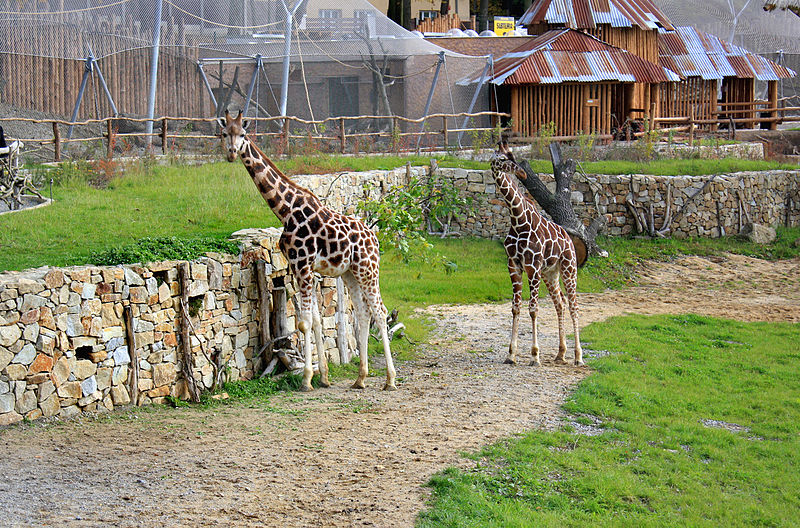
(162, 248)
(542, 139)
(586, 143)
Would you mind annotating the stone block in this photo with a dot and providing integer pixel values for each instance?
(10, 418)
(119, 395)
(42, 363)
(27, 403)
(7, 401)
(83, 369)
(138, 294)
(16, 371)
(159, 392)
(164, 374)
(50, 406)
(26, 355)
(70, 389)
(61, 371)
(9, 335)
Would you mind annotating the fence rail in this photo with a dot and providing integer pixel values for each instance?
(287, 127)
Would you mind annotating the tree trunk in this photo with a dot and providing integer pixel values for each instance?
(559, 207)
(483, 15)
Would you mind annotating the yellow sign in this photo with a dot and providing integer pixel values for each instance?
(503, 25)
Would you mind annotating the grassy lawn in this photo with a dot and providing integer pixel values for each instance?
(700, 427)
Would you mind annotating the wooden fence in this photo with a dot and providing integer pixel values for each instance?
(330, 134)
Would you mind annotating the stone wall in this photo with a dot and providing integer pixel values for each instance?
(764, 198)
(63, 342)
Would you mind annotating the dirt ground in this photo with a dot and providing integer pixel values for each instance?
(338, 457)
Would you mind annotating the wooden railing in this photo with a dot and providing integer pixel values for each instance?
(430, 133)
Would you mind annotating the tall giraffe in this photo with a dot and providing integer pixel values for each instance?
(544, 250)
(317, 239)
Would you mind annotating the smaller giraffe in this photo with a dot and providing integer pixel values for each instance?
(317, 239)
(544, 250)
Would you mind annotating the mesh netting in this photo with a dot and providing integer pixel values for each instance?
(775, 35)
(342, 60)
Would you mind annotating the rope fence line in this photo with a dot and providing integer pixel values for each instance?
(284, 134)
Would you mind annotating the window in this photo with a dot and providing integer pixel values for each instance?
(425, 15)
(362, 14)
(343, 96)
(330, 13)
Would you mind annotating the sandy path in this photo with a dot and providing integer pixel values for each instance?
(339, 457)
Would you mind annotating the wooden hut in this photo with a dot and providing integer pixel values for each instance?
(571, 79)
(718, 79)
(628, 24)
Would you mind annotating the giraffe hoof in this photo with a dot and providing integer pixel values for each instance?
(389, 387)
(580, 363)
(560, 361)
(358, 385)
(510, 361)
(306, 388)
(324, 384)
(535, 363)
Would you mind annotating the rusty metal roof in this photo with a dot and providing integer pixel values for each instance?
(566, 55)
(587, 14)
(694, 53)
(792, 5)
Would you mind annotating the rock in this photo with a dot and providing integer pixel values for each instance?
(61, 371)
(6, 403)
(27, 403)
(45, 390)
(84, 369)
(103, 378)
(119, 375)
(42, 363)
(121, 356)
(26, 355)
(163, 374)
(70, 389)
(54, 279)
(9, 335)
(10, 418)
(89, 386)
(758, 233)
(16, 371)
(50, 405)
(138, 294)
(5, 357)
(119, 395)
(133, 279)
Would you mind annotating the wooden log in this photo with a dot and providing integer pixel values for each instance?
(133, 375)
(279, 310)
(164, 144)
(110, 136)
(264, 296)
(444, 132)
(186, 346)
(342, 138)
(56, 142)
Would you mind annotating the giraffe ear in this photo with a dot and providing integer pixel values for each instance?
(245, 123)
(221, 122)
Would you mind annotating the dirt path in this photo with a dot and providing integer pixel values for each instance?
(339, 457)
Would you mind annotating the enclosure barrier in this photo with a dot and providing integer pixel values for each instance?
(337, 127)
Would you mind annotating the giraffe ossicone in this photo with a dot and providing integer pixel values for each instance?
(317, 239)
(544, 251)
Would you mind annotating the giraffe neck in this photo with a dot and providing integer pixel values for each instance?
(514, 197)
(281, 194)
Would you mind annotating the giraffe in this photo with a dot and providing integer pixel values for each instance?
(317, 239)
(544, 250)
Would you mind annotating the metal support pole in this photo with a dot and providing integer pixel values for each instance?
(105, 89)
(430, 97)
(208, 86)
(88, 65)
(252, 84)
(489, 62)
(151, 98)
(287, 49)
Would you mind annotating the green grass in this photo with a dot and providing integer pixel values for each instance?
(655, 463)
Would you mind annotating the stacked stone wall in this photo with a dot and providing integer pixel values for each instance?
(64, 348)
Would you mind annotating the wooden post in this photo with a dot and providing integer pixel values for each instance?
(444, 132)
(342, 137)
(772, 97)
(110, 136)
(164, 145)
(279, 309)
(56, 142)
(186, 346)
(691, 127)
(652, 116)
(264, 294)
(285, 135)
(133, 375)
(341, 323)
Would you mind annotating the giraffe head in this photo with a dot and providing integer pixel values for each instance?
(233, 135)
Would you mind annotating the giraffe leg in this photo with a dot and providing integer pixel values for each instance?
(570, 274)
(379, 312)
(362, 323)
(533, 309)
(319, 341)
(516, 285)
(305, 282)
(551, 281)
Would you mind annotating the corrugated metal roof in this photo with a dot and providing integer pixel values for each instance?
(694, 53)
(587, 14)
(567, 55)
(792, 5)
